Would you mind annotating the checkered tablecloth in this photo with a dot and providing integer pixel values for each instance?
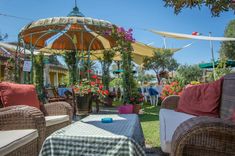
(124, 137)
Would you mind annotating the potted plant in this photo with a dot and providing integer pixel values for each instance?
(84, 92)
(136, 99)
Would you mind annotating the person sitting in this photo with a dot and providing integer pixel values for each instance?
(153, 95)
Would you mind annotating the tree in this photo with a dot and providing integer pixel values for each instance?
(161, 61)
(227, 49)
(216, 6)
(188, 73)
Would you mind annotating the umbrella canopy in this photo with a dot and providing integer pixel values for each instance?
(229, 63)
(74, 32)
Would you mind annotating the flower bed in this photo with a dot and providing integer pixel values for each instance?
(174, 88)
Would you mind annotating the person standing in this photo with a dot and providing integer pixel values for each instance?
(153, 95)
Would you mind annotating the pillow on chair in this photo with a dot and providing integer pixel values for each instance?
(201, 100)
(18, 94)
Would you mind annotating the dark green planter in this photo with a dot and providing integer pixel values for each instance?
(84, 104)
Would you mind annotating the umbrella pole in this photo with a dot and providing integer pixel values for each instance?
(213, 57)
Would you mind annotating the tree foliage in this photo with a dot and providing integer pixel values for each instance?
(216, 6)
(227, 49)
(106, 62)
(161, 61)
(39, 75)
(70, 59)
(220, 70)
(188, 73)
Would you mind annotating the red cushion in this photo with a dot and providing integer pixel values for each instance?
(201, 100)
(18, 94)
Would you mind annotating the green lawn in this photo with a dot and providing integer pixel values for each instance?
(150, 124)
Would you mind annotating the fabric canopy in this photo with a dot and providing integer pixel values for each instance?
(13, 48)
(186, 36)
(140, 51)
(69, 33)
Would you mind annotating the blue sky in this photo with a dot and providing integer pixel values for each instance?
(137, 14)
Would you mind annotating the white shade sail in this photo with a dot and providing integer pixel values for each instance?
(187, 36)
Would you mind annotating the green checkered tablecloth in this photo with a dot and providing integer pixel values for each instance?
(124, 137)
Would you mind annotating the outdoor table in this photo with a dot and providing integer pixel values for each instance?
(124, 136)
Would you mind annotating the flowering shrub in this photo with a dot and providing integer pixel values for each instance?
(171, 89)
(93, 86)
(136, 98)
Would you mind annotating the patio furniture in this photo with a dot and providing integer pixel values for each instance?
(63, 94)
(59, 116)
(90, 136)
(184, 134)
(56, 114)
(22, 131)
(52, 95)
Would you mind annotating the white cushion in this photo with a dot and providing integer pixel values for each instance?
(53, 120)
(169, 121)
(13, 139)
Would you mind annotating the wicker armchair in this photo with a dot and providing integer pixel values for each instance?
(206, 136)
(55, 109)
(24, 117)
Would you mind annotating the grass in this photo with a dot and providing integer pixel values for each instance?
(149, 122)
(150, 125)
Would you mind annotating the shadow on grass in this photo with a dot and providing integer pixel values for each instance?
(151, 113)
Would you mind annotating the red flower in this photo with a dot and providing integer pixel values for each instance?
(92, 83)
(89, 71)
(101, 87)
(94, 76)
(106, 92)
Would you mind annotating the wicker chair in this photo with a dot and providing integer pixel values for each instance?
(19, 118)
(206, 136)
(52, 95)
(56, 109)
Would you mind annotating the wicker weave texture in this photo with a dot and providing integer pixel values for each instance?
(205, 136)
(51, 129)
(23, 117)
(227, 106)
(170, 102)
(59, 108)
(29, 149)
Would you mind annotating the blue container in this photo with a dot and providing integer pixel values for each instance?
(106, 120)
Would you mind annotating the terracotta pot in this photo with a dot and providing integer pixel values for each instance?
(136, 108)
